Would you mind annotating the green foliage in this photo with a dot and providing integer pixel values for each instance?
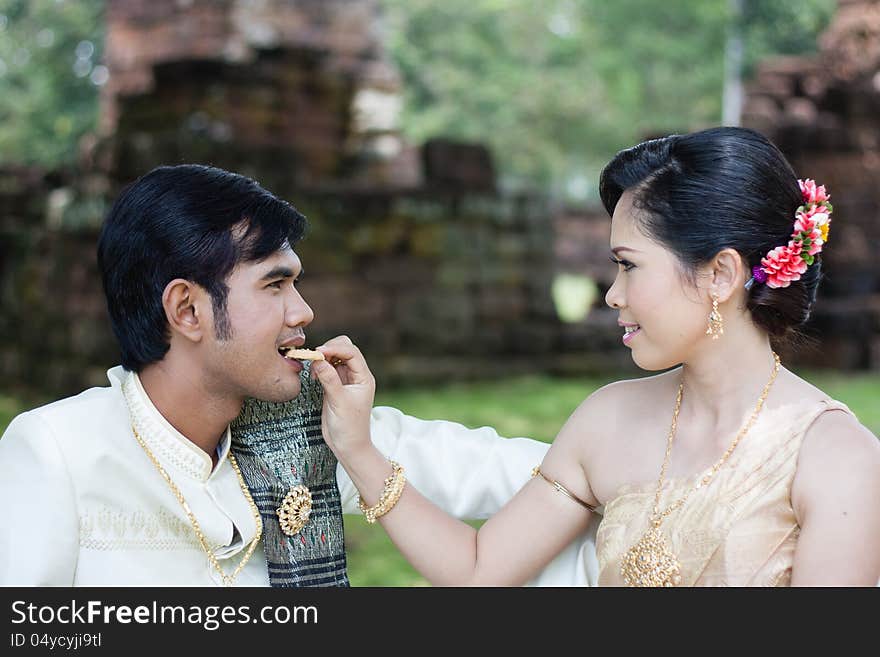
(9, 408)
(49, 78)
(784, 28)
(557, 87)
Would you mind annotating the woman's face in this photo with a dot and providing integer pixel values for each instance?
(662, 316)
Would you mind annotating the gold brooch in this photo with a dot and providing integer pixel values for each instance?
(295, 509)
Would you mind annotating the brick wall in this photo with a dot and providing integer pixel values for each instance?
(823, 112)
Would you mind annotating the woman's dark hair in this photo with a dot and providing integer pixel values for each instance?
(188, 221)
(699, 193)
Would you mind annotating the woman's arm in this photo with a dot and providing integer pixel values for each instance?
(469, 473)
(511, 546)
(836, 497)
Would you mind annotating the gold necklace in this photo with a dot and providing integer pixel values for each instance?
(650, 562)
(226, 579)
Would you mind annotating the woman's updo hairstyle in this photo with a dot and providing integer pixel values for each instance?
(699, 193)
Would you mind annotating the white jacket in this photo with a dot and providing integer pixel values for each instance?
(84, 505)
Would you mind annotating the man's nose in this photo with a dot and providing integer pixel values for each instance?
(299, 313)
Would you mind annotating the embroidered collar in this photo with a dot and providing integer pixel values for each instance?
(169, 445)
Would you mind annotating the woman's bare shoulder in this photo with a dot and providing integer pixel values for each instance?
(838, 474)
(838, 438)
(628, 393)
(589, 439)
(835, 447)
(619, 405)
(797, 389)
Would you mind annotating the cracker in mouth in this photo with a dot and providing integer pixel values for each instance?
(300, 354)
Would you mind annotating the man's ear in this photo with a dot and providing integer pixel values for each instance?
(185, 305)
(728, 274)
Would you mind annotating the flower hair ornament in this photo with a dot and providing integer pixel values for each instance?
(785, 264)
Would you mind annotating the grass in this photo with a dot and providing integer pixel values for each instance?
(9, 408)
(534, 406)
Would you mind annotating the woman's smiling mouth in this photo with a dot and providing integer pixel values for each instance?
(630, 331)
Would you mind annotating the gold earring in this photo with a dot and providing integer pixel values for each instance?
(716, 321)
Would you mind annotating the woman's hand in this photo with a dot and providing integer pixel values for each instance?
(349, 389)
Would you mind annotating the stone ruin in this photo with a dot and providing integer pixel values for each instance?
(298, 94)
(823, 112)
(412, 251)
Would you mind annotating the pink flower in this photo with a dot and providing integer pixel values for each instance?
(784, 265)
(816, 242)
(805, 222)
(812, 193)
(821, 216)
(806, 227)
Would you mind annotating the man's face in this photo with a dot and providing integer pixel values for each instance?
(265, 312)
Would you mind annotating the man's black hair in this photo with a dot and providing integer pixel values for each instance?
(189, 221)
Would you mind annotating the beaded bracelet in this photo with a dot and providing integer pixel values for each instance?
(394, 484)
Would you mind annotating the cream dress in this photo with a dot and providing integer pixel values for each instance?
(741, 529)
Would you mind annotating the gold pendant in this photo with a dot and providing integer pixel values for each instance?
(650, 562)
(294, 512)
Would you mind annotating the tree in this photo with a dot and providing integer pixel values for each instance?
(49, 76)
(761, 28)
(557, 87)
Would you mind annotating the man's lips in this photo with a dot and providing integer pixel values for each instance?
(293, 342)
(297, 365)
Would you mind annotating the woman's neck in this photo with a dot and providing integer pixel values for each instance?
(724, 378)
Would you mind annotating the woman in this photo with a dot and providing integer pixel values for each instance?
(727, 469)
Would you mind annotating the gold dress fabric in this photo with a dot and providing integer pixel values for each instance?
(740, 530)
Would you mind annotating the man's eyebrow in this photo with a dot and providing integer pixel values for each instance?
(617, 250)
(280, 272)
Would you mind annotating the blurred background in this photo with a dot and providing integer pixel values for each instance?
(447, 155)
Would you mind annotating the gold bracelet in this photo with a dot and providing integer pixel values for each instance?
(562, 489)
(394, 484)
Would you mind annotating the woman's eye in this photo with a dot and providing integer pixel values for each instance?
(626, 264)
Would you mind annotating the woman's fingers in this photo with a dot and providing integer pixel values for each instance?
(341, 352)
(328, 378)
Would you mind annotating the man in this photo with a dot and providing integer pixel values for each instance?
(137, 484)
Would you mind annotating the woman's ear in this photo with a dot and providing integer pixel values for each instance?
(183, 302)
(727, 274)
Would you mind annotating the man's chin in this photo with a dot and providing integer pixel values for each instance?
(281, 394)
(293, 392)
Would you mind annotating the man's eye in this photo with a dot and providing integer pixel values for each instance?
(275, 284)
